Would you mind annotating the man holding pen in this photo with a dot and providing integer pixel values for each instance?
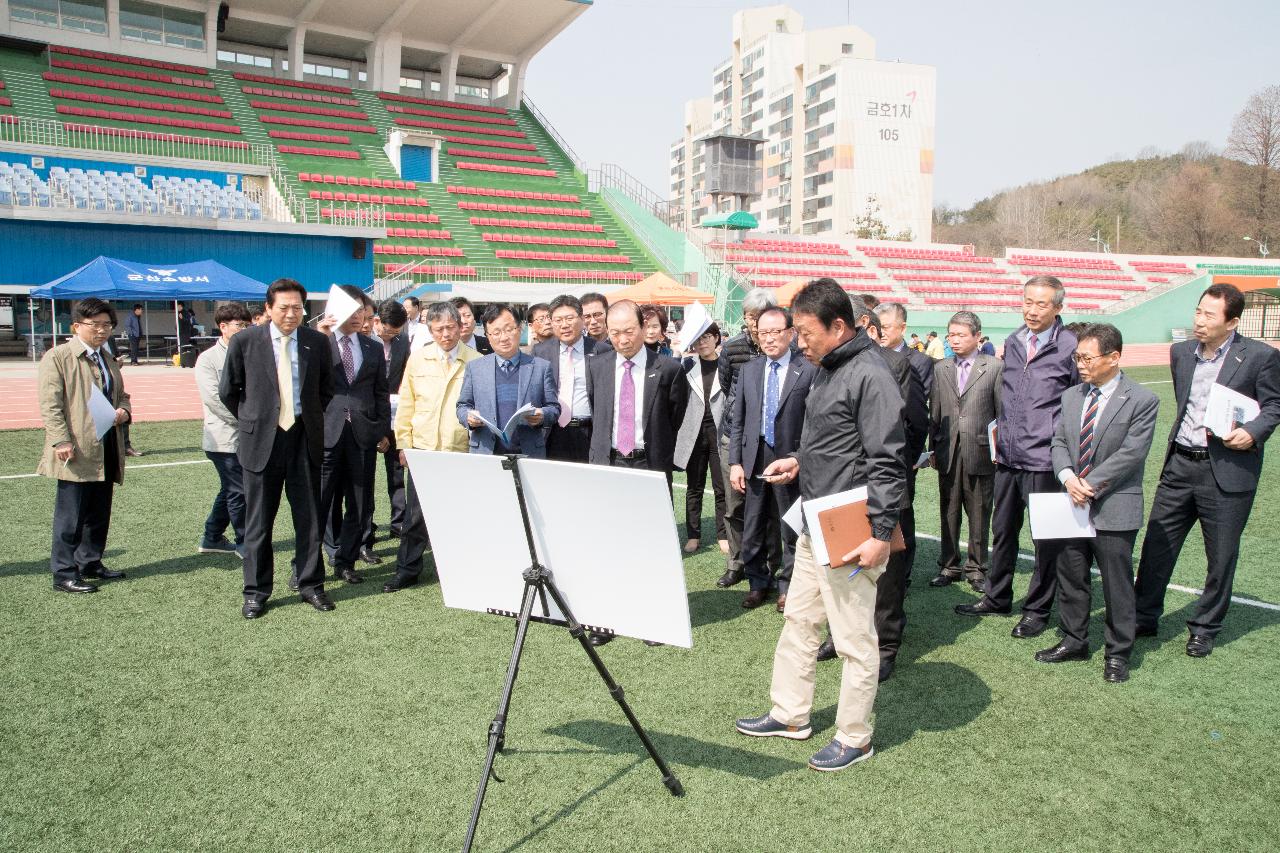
(852, 436)
(85, 466)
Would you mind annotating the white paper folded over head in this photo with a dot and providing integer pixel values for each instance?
(340, 306)
(695, 324)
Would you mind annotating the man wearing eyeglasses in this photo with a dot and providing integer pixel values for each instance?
(1039, 366)
(221, 438)
(569, 439)
(595, 309)
(85, 466)
(1099, 455)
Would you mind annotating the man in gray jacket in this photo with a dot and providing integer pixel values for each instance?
(852, 436)
(221, 439)
(1039, 367)
(1099, 455)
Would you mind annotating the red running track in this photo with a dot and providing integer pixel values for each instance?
(156, 394)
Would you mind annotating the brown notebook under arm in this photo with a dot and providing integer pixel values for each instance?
(845, 528)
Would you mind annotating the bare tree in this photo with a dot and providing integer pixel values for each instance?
(1255, 140)
(1192, 217)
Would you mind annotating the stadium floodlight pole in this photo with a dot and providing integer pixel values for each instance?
(1102, 245)
(1262, 246)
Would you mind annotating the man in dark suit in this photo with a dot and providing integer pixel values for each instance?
(637, 399)
(277, 381)
(467, 312)
(594, 309)
(1099, 455)
(500, 384)
(1039, 366)
(357, 427)
(767, 421)
(569, 439)
(388, 330)
(1208, 477)
(965, 399)
(133, 330)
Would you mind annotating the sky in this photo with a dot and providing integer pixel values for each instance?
(1027, 91)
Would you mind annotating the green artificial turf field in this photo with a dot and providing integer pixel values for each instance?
(151, 716)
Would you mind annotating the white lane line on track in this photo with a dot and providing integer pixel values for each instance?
(1249, 602)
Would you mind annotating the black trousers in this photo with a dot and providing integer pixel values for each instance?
(734, 513)
(972, 493)
(765, 504)
(1013, 486)
(346, 474)
(413, 534)
(1187, 492)
(81, 520)
(1112, 550)
(891, 588)
(228, 504)
(288, 471)
(570, 443)
(395, 485)
(135, 349)
(705, 456)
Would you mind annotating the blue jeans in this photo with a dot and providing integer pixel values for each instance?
(228, 506)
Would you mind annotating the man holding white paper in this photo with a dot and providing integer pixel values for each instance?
(1207, 476)
(507, 384)
(852, 436)
(1099, 454)
(83, 405)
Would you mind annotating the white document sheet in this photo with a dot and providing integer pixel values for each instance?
(696, 322)
(103, 413)
(340, 306)
(991, 439)
(505, 432)
(1227, 410)
(794, 517)
(1054, 516)
(811, 508)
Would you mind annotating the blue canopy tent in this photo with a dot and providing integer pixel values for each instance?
(112, 279)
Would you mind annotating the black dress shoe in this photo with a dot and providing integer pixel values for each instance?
(1062, 652)
(978, 583)
(886, 670)
(827, 651)
(1200, 646)
(319, 600)
(730, 578)
(982, 608)
(1115, 671)
(253, 609)
(351, 576)
(944, 579)
(597, 639)
(103, 574)
(653, 643)
(393, 532)
(398, 583)
(74, 586)
(1147, 631)
(367, 556)
(755, 598)
(1028, 628)
(293, 582)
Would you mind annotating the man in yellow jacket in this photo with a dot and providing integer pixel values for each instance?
(427, 419)
(76, 378)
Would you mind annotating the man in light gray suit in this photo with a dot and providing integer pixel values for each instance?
(965, 398)
(1099, 454)
(500, 384)
(221, 437)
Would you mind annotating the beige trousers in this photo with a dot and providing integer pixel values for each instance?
(820, 596)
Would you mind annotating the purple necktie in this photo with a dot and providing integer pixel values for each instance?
(964, 375)
(627, 411)
(348, 360)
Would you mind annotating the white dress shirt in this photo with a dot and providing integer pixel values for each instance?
(637, 378)
(276, 335)
(581, 402)
(357, 358)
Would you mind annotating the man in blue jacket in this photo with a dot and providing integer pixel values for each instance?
(500, 384)
(1039, 366)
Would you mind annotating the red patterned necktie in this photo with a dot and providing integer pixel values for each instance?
(348, 360)
(1086, 432)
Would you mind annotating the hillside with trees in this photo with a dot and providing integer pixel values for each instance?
(1196, 202)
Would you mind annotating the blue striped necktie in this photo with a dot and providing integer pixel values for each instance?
(1086, 431)
(771, 403)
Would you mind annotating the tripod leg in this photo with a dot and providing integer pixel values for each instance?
(615, 690)
(497, 728)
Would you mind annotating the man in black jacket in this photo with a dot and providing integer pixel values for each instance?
(277, 381)
(853, 436)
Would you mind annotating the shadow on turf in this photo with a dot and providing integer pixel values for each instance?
(149, 455)
(708, 606)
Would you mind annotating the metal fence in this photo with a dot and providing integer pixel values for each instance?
(578, 162)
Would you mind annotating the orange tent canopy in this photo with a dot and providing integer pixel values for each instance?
(788, 291)
(661, 289)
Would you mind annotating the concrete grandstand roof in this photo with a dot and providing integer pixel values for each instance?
(484, 33)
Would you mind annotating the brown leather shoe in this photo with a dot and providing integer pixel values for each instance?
(755, 598)
(782, 603)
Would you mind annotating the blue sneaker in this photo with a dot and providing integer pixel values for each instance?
(240, 551)
(222, 546)
(767, 726)
(837, 756)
